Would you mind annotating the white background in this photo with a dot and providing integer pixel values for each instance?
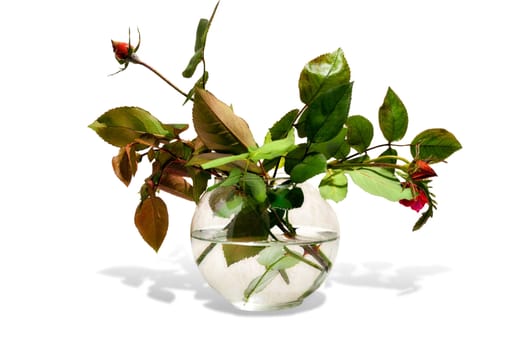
(75, 273)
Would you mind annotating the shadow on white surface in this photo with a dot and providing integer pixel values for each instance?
(163, 284)
(181, 274)
(405, 280)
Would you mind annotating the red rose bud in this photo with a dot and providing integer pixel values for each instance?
(421, 170)
(418, 202)
(122, 51)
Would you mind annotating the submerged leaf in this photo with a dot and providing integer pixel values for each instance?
(276, 260)
(234, 253)
(260, 283)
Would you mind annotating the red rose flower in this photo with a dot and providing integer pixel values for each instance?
(418, 202)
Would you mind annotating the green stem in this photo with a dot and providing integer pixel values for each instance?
(350, 166)
(205, 252)
(375, 147)
(303, 260)
(288, 230)
(404, 160)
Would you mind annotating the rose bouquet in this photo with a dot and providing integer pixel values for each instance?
(256, 185)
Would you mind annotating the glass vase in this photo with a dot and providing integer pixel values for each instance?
(272, 271)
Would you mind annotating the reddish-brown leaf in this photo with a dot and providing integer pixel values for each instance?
(125, 164)
(176, 185)
(152, 220)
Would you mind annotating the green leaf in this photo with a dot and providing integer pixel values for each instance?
(393, 117)
(193, 64)
(273, 149)
(218, 127)
(389, 152)
(225, 201)
(227, 166)
(312, 165)
(294, 157)
(337, 147)
(199, 46)
(286, 198)
(359, 132)
(322, 74)
(219, 162)
(327, 113)
(176, 129)
(124, 125)
(379, 182)
(201, 34)
(334, 186)
(423, 219)
(250, 224)
(231, 180)
(281, 128)
(152, 220)
(254, 186)
(434, 145)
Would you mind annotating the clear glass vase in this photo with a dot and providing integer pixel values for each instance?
(269, 272)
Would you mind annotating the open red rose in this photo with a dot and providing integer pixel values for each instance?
(418, 202)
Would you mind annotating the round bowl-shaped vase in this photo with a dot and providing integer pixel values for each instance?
(265, 256)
